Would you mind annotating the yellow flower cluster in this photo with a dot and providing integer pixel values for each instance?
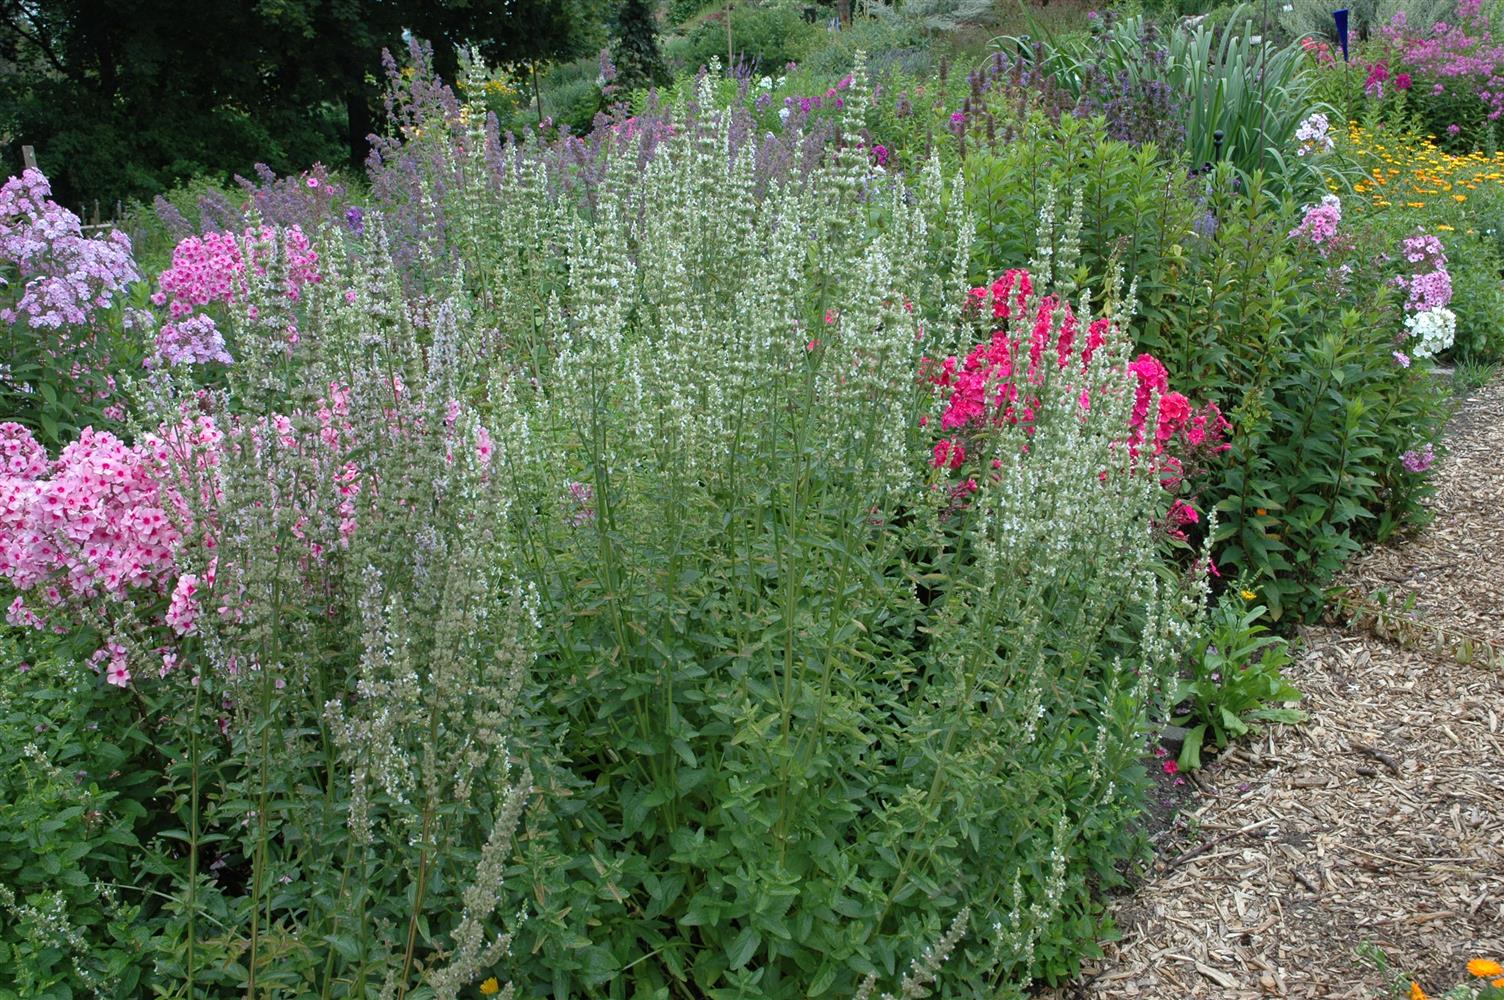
(1414, 172)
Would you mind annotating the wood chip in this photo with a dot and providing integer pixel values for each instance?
(1310, 854)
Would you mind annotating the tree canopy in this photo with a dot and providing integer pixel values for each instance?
(123, 98)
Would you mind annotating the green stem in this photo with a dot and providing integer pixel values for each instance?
(193, 831)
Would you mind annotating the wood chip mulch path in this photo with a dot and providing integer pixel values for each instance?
(1378, 822)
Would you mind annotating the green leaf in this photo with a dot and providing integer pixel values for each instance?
(1288, 716)
(740, 951)
(1232, 723)
(1190, 751)
(824, 979)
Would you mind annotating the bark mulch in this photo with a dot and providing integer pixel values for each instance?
(1379, 822)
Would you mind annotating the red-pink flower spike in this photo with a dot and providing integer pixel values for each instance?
(984, 389)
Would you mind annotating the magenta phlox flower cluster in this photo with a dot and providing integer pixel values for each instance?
(1431, 290)
(1425, 249)
(1320, 224)
(995, 383)
(1418, 460)
(64, 277)
(1430, 284)
(211, 268)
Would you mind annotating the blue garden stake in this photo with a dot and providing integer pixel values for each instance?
(1340, 16)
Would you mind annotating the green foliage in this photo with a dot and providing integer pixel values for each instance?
(680, 11)
(1234, 678)
(932, 17)
(802, 714)
(808, 713)
(889, 48)
(1300, 355)
(573, 100)
(1166, 9)
(1301, 364)
(75, 780)
(1136, 211)
(55, 402)
(790, 742)
(1364, 18)
(1254, 93)
(1470, 376)
(765, 35)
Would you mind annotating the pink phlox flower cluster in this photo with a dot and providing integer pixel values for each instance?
(64, 277)
(1424, 249)
(1321, 223)
(211, 270)
(91, 527)
(1418, 461)
(1431, 290)
(21, 457)
(182, 612)
(581, 503)
(108, 523)
(1430, 286)
(195, 340)
(101, 524)
(1464, 52)
(113, 656)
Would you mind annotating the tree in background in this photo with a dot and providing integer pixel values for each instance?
(639, 63)
(124, 98)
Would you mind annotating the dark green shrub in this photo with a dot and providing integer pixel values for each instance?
(639, 61)
(1136, 210)
(680, 11)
